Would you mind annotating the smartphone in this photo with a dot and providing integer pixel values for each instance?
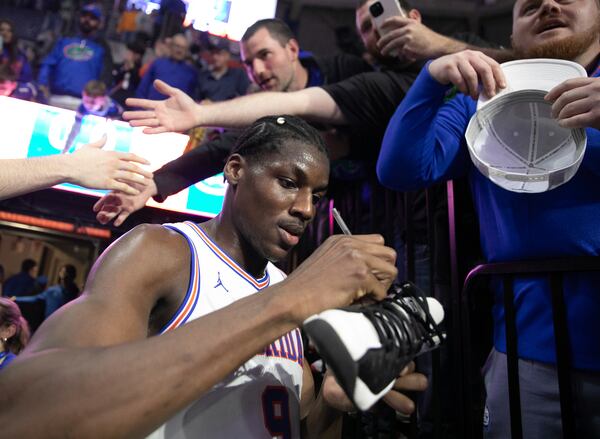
(384, 9)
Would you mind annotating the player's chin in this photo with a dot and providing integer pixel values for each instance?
(278, 251)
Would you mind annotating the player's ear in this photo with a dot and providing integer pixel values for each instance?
(234, 169)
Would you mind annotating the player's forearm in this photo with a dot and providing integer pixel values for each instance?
(128, 390)
(19, 176)
(311, 103)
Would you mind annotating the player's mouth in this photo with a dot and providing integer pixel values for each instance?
(291, 233)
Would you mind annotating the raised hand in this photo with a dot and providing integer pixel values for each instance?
(94, 168)
(174, 114)
(576, 103)
(466, 70)
(118, 206)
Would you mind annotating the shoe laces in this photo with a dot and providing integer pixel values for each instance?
(403, 322)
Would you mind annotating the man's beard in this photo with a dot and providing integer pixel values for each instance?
(568, 48)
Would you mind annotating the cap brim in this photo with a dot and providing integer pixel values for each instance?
(535, 74)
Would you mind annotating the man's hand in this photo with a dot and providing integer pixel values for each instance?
(412, 40)
(342, 270)
(118, 206)
(408, 380)
(92, 167)
(466, 70)
(175, 114)
(576, 103)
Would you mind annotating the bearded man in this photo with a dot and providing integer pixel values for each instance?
(425, 144)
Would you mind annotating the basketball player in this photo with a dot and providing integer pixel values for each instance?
(170, 311)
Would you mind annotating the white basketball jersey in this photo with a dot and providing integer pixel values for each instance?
(261, 399)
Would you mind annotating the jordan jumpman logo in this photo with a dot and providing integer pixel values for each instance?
(219, 282)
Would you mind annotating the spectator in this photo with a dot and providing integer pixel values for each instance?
(273, 62)
(57, 295)
(9, 86)
(94, 102)
(22, 283)
(75, 60)
(127, 26)
(126, 77)
(425, 143)
(11, 55)
(14, 331)
(173, 69)
(221, 82)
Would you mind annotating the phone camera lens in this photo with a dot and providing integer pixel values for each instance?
(376, 9)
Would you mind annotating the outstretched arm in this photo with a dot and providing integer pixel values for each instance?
(91, 372)
(89, 167)
(179, 112)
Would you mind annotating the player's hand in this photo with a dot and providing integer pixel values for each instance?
(408, 381)
(410, 39)
(466, 70)
(118, 206)
(94, 168)
(175, 114)
(342, 270)
(576, 103)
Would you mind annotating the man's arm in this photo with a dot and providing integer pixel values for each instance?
(89, 167)
(423, 143)
(415, 41)
(91, 372)
(179, 112)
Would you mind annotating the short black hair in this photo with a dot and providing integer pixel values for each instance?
(277, 28)
(27, 265)
(403, 3)
(268, 134)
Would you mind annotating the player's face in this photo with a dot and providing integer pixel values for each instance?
(269, 64)
(555, 28)
(278, 198)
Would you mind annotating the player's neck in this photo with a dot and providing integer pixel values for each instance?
(222, 231)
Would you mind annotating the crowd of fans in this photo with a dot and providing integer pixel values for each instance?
(149, 46)
(400, 118)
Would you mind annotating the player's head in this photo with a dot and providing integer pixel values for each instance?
(556, 29)
(270, 52)
(14, 330)
(367, 30)
(94, 95)
(277, 173)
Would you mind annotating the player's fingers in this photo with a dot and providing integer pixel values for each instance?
(141, 174)
(567, 98)
(469, 76)
(121, 186)
(157, 130)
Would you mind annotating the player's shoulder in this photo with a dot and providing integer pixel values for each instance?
(150, 242)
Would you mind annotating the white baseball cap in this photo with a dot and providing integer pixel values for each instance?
(513, 138)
